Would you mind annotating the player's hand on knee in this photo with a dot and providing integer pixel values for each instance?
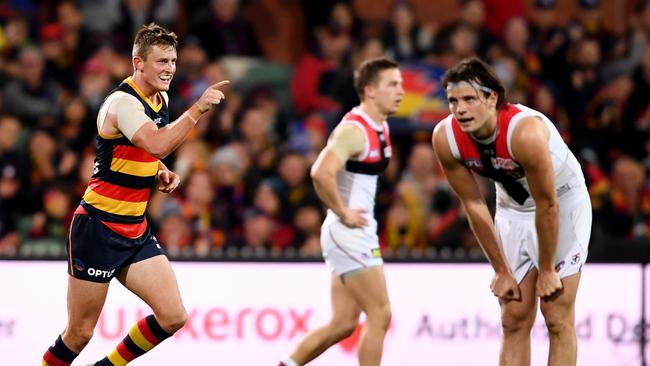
(211, 96)
(548, 283)
(505, 287)
(354, 217)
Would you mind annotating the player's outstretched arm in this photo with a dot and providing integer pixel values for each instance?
(160, 142)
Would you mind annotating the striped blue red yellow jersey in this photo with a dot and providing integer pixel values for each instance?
(124, 174)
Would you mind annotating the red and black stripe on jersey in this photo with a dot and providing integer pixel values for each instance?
(124, 174)
(493, 160)
(379, 147)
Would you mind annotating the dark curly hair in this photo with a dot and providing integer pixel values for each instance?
(474, 71)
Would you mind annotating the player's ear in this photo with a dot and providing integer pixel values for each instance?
(369, 91)
(137, 63)
(493, 99)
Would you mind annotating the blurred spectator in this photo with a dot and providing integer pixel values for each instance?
(13, 170)
(174, 231)
(626, 53)
(404, 221)
(603, 125)
(99, 16)
(322, 79)
(636, 116)
(267, 200)
(191, 156)
(403, 38)
(421, 174)
(307, 221)
(256, 129)
(309, 136)
(226, 168)
(47, 228)
(76, 130)
(49, 161)
(219, 123)
(85, 172)
(76, 42)
(297, 188)
(500, 12)
(94, 84)
(16, 36)
(58, 62)
(588, 21)
(641, 17)
(263, 99)
(318, 13)
(472, 16)
(514, 77)
(368, 49)
(223, 30)
(206, 228)
(453, 44)
(516, 43)
(597, 181)
(544, 98)
(627, 212)
(192, 60)
(257, 231)
(118, 64)
(583, 79)
(135, 13)
(344, 16)
(548, 39)
(31, 96)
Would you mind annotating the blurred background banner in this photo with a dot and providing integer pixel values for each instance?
(253, 313)
(424, 102)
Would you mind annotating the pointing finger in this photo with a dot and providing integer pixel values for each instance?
(220, 84)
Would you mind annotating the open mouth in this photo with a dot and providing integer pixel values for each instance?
(465, 120)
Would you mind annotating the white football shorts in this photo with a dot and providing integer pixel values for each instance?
(346, 250)
(517, 235)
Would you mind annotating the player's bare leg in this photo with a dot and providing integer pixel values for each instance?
(344, 320)
(85, 302)
(369, 289)
(517, 319)
(154, 281)
(559, 315)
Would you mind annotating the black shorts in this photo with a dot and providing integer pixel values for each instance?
(97, 254)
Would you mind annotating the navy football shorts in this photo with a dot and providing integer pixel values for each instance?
(97, 254)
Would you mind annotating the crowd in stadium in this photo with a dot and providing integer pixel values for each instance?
(245, 168)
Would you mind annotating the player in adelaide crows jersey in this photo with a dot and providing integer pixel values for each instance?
(345, 178)
(538, 241)
(109, 235)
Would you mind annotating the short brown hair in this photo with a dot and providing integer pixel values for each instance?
(152, 35)
(368, 73)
